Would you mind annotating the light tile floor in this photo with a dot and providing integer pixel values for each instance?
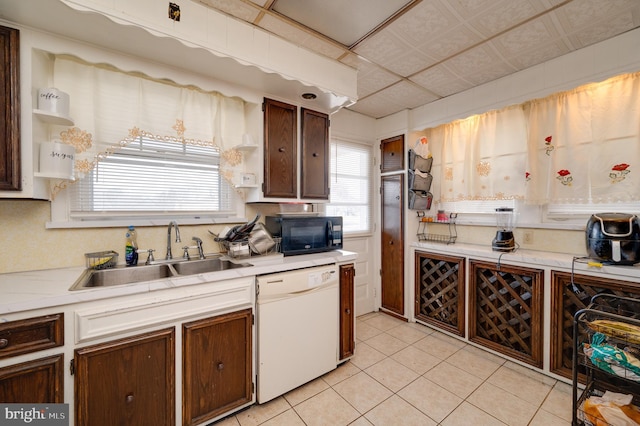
(409, 374)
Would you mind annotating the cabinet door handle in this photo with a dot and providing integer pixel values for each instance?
(220, 366)
(280, 149)
(129, 398)
(4, 343)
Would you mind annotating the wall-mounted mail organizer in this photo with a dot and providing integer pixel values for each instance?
(419, 181)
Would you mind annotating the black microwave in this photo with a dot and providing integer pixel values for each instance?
(306, 234)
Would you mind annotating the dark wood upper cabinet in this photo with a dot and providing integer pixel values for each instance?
(280, 155)
(314, 179)
(392, 154)
(10, 177)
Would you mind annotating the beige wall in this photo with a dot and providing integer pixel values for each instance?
(27, 245)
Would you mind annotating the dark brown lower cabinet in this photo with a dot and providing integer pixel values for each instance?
(440, 291)
(39, 382)
(347, 306)
(506, 308)
(216, 372)
(129, 381)
(569, 294)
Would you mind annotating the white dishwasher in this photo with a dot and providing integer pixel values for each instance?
(297, 328)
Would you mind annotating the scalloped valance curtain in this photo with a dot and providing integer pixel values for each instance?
(575, 147)
(111, 108)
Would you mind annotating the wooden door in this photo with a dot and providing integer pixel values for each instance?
(392, 154)
(38, 382)
(10, 177)
(217, 371)
(347, 308)
(280, 150)
(314, 171)
(392, 250)
(130, 381)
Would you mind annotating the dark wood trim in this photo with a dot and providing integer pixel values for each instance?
(10, 172)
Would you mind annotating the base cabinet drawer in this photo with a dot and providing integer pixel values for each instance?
(31, 335)
(506, 310)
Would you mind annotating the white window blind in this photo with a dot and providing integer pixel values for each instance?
(154, 176)
(351, 198)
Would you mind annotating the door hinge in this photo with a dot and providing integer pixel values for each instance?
(253, 387)
(72, 367)
(253, 319)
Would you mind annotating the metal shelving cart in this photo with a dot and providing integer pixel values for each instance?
(606, 348)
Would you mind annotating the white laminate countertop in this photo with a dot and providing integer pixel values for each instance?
(24, 291)
(533, 258)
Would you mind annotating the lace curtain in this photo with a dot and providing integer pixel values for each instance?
(482, 157)
(584, 144)
(111, 108)
(574, 147)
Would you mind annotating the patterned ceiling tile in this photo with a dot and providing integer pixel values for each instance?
(501, 16)
(408, 62)
(408, 94)
(441, 81)
(376, 106)
(381, 47)
(425, 20)
(373, 80)
(489, 73)
(234, 8)
(467, 63)
(283, 29)
(602, 30)
(583, 13)
(526, 37)
(450, 42)
(539, 54)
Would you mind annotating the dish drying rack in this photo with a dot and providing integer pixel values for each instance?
(424, 221)
(241, 249)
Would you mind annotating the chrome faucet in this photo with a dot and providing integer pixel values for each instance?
(175, 225)
(199, 244)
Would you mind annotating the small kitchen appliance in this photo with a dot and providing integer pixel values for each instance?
(504, 240)
(613, 238)
(302, 234)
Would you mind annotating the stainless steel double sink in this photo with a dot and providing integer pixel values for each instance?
(91, 278)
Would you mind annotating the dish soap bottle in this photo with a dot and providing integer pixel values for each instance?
(131, 249)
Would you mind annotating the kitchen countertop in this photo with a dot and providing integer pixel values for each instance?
(24, 291)
(534, 258)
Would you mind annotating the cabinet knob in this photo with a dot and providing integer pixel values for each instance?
(4, 343)
(347, 311)
(315, 154)
(280, 149)
(391, 243)
(220, 366)
(129, 398)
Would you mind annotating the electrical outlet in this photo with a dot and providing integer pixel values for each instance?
(527, 237)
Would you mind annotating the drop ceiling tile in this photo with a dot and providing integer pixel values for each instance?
(408, 94)
(526, 37)
(373, 80)
(468, 62)
(376, 106)
(498, 17)
(603, 30)
(441, 81)
(283, 29)
(539, 54)
(425, 20)
(260, 3)
(409, 62)
(234, 8)
(490, 73)
(470, 8)
(382, 47)
(582, 13)
(449, 43)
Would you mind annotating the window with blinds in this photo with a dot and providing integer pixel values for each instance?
(154, 176)
(351, 198)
